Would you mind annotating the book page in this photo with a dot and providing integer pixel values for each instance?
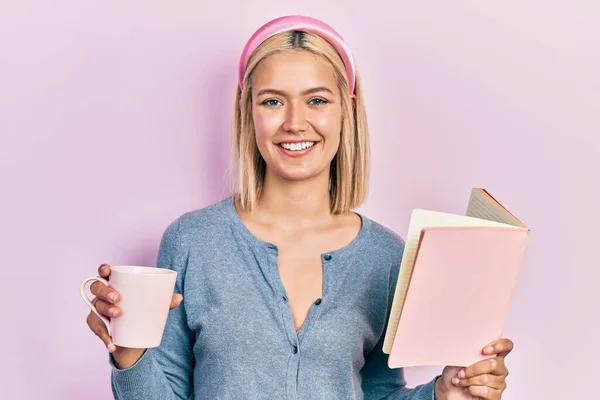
(482, 205)
(422, 219)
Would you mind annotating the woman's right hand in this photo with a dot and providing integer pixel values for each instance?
(106, 301)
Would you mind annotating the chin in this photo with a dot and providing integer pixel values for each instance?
(296, 175)
(300, 176)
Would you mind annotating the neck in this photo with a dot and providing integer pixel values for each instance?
(296, 202)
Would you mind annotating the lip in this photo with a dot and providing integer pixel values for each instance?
(296, 141)
(297, 153)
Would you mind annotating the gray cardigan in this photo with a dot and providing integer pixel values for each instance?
(233, 337)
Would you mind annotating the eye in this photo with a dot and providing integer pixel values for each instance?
(317, 101)
(271, 102)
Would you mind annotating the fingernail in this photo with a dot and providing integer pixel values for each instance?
(112, 296)
(113, 312)
(455, 381)
(110, 347)
(461, 373)
(489, 350)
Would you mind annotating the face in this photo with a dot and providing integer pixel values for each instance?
(297, 112)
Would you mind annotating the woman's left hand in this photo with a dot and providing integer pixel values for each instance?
(485, 379)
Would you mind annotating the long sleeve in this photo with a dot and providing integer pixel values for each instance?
(164, 372)
(380, 382)
(383, 383)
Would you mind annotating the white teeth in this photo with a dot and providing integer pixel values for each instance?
(297, 146)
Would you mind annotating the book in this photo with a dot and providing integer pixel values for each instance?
(456, 282)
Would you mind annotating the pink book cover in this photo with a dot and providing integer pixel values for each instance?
(459, 295)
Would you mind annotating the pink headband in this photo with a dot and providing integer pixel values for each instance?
(297, 23)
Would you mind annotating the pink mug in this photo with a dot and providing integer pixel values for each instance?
(145, 299)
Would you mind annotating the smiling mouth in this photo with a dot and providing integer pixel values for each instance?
(298, 146)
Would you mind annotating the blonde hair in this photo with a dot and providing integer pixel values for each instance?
(349, 171)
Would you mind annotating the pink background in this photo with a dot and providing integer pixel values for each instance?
(114, 119)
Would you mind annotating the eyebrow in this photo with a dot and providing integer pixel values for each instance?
(307, 91)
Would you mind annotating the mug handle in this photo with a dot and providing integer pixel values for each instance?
(89, 303)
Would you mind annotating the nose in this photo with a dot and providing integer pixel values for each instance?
(295, 120)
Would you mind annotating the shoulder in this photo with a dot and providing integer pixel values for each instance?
(383, 239)
(203, 223)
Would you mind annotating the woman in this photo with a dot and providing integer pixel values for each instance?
(286, 291)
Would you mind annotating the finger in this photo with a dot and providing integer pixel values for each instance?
(493, 366)
(501, 347)
(176, 300)
(104, 292)
(450, 372)
(98, 327)
(484, 392)
(492, 381)
(107, 309)
(104, 270)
